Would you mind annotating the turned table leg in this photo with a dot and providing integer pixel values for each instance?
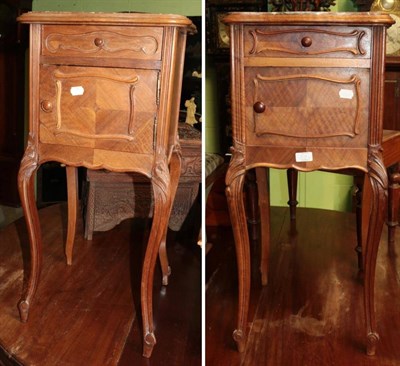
(251, 204)
(264, 204)
(292, 176)
(72, 190)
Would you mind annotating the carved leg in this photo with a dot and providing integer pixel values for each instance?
(175, 169)
(292, 175)
(359, 183)
(89, 219)
(264, 204)
(162, 207)
(378, 180)
(234, 193)
(72, 189)
(393, 203)
(251, 204)
(26, 184)
(165, 268)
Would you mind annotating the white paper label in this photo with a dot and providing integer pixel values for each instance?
(77, 90)
(304, 156)
(346, 93)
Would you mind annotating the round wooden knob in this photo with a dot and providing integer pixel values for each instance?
(99, 42)
(46, 106)
(259, 107)
(306, 41)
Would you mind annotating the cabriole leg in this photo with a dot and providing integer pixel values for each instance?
(26, 186)
(378, 181)
(234, 193)
(175, 169)
(393, 203)
(162, 206)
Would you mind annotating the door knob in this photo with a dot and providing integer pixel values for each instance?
(259, 107)
(46, 106)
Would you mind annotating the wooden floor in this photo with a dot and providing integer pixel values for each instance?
(85, 314)
(311, 312)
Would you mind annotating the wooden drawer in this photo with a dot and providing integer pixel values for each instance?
(102, 108)
(333, 42)
(307, 106)
(142, 43)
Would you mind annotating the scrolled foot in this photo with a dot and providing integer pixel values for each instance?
(240, 340)
(23, 307)
(372, 340)
(148, 344)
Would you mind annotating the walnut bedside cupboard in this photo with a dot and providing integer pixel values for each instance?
(307, 93)
(104, 94)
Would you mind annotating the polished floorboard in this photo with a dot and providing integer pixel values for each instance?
(84, 314)
(311, 311)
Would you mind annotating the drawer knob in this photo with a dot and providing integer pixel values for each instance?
(46, 106)
(306, 41)
(259, 107)
(99, 42)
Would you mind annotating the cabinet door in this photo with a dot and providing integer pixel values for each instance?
(307, 107)
(99, 108)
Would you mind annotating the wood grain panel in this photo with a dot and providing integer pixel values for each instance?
(313, 107)
(109, 42)
(94, 107)
(318, 42)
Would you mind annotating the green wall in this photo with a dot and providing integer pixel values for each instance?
(185, 7)
(344, 5)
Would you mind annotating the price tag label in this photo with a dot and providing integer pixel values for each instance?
(302, 157)
(346, 94)
(77, 90)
